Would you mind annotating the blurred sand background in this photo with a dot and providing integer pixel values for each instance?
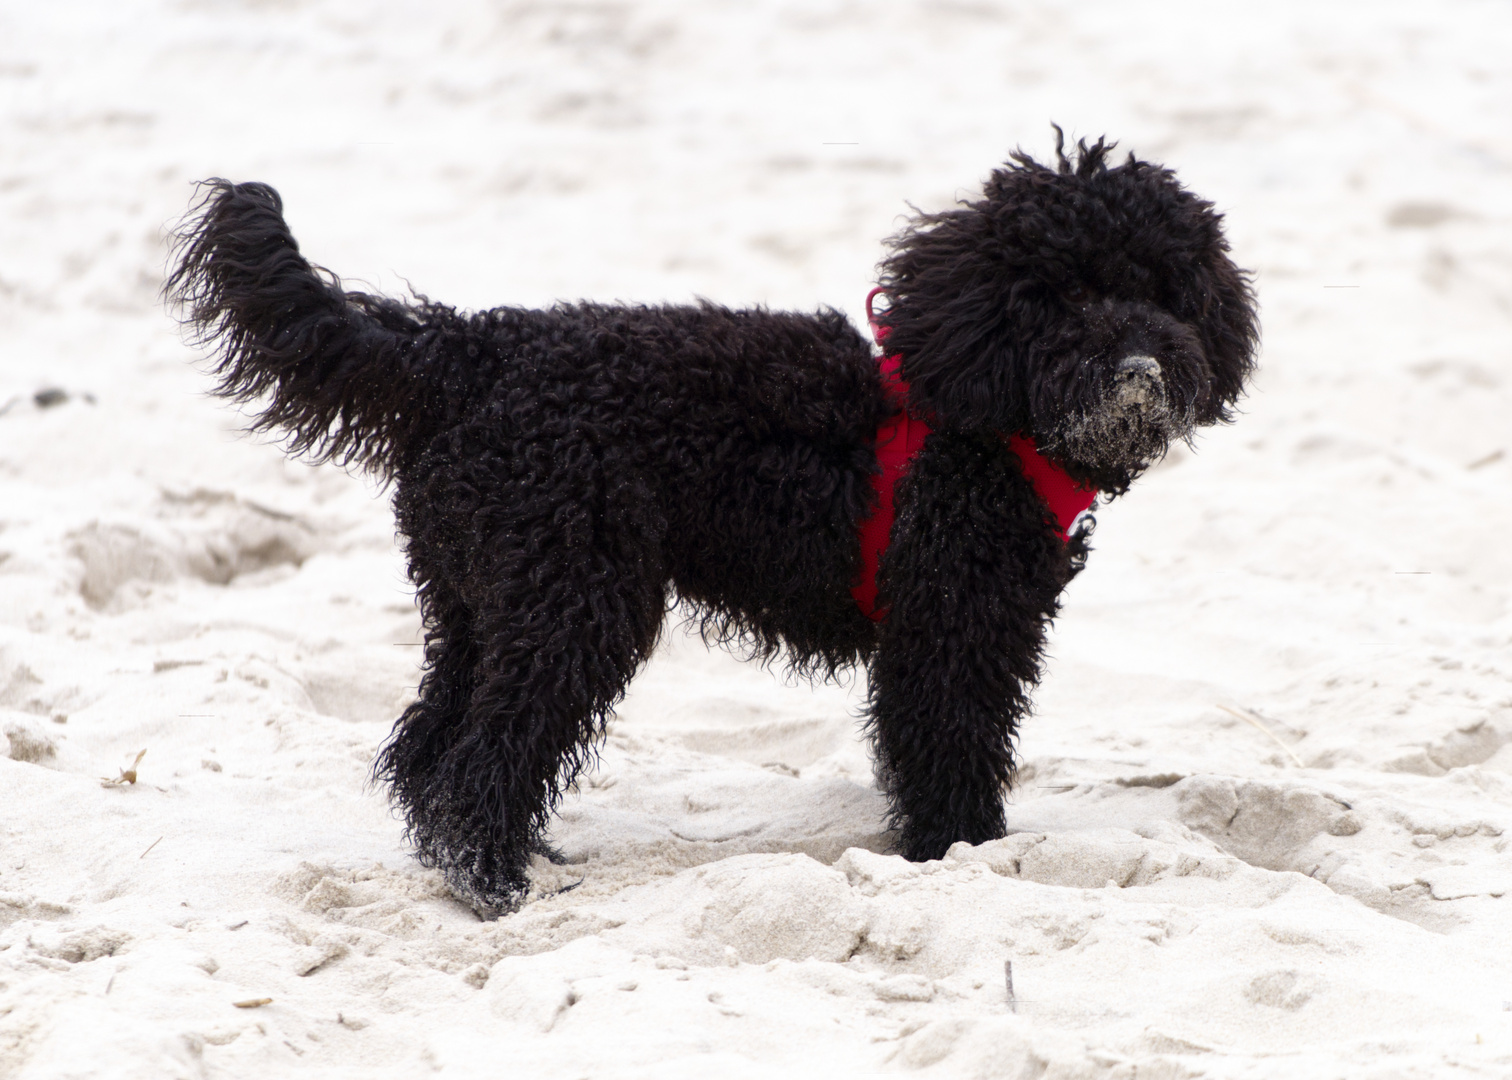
(1261, 828)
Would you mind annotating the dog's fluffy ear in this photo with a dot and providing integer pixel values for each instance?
(1228, 325)
(1174, 230)
(1200, 285)
(953, 318)
(964, 289)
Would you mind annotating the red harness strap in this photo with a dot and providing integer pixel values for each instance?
(898, 440)
(900, 437)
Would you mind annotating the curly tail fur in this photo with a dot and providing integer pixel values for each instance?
(344, 376)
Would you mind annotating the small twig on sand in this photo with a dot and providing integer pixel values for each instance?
(150, 846)
(252, 1003)
(1008, 978)
(128, 776)
(1248, 718)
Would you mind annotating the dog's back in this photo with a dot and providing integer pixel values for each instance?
(735, 444)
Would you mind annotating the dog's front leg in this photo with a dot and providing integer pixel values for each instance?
(971, 578)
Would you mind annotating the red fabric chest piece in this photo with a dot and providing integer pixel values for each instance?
(1065, 497)
(900, 438)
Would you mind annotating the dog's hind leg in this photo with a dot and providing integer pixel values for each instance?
(971, 576)
(557, 602)
(428, 729)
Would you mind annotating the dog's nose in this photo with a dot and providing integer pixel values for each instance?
(1138, 382)
(1145, 366)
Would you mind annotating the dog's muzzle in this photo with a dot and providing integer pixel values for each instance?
(1129, 425)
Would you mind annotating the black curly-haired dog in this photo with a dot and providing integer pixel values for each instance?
(558, 474)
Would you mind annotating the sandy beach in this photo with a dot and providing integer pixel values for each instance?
(1262, 822)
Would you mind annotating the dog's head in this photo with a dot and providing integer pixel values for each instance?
(1092, 307)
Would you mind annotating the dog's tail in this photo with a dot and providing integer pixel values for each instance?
(344, 376)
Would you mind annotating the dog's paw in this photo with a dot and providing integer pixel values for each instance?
(489, 896)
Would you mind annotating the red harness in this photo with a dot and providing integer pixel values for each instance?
(901, 436)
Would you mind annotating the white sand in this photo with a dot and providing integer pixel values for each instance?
(1321, 892)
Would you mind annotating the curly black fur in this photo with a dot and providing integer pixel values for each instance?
(559, 474)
